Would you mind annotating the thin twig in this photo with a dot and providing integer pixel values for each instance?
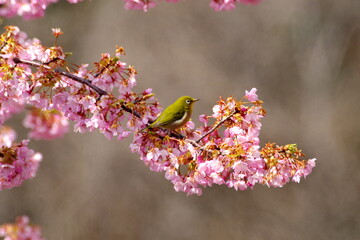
(88, 83)
(129, 110)
(101, 92)
(102, 70)
(66, 74)
(216, 126)
(3, 45)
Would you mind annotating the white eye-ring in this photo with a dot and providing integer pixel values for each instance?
(188, 101)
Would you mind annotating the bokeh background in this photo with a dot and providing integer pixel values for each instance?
(303, 57)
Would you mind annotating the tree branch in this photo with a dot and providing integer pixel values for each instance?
(101, 92)
(129, 110)
(98, 90)
(216, 126)
(66, 74)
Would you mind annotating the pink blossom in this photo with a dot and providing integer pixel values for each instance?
(38, 100)
(202, 171)
(240, 167)
(225, 149)
(283, 166)
(216, 110)
(7, 136)
(56, 31)
(21, 230)
(139, 4)
(46, 124)
(219, 5)
(17, 163)
(210, 172)
(13, 95)
(28, 9)
(251, 95)
(32, 50)
(74, 1)
(204, 119)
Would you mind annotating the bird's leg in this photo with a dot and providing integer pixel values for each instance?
(175, 134)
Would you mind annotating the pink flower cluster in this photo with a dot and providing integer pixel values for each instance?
(56, 98)
(283, 164)
(21, 230)
(17, 161)
(224, 150)
(217, 5)
(229, 156)
(46, 124)
(144, 5)
(7, 136)
(220, 5)
(27, 9)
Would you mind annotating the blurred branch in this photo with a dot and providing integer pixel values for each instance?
(66, 74)
(101, 92)
(98, 90)
(216, 126)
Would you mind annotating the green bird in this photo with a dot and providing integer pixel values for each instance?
(176, 115)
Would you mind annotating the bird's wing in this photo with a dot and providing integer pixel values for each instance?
(167, 117)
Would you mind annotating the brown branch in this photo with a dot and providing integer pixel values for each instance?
(88, 83)
(102, 70)
(216, 126)
(66, 74)
(129, 110)
(3, 45)
(101, 92)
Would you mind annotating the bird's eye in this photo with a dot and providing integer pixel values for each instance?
(188, 101)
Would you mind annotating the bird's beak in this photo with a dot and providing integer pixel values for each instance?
(196, 99)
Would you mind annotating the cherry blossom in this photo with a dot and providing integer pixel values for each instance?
(17, 161)
(224, 150)
(219, 5)
(21, 230)
(46, 124)
(30, 9)
(7, 136)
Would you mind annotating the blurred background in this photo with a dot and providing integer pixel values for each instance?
(303, 57)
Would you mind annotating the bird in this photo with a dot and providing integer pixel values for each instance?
(176, 115)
